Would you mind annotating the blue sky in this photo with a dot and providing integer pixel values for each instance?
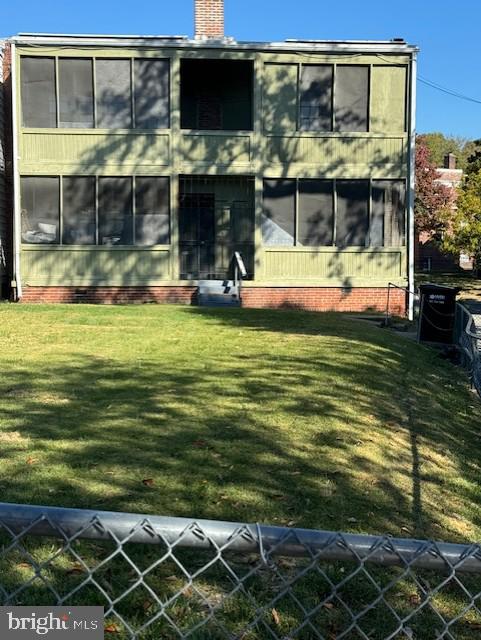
(448, 34)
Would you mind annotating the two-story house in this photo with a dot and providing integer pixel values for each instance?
(142, 164)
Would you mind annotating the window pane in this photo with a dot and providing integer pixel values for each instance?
(352, 213)
(388, 213)
(278, 219)
(151, 94)
(351, 98)
(315, 98)
(115, 211)
(38, 92)
(78, 210)
(40, 210)
(316, 212)
(152, 211)
(76, 100)
(114, 94)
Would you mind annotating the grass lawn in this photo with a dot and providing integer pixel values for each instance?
(470, 286)
(281, 417)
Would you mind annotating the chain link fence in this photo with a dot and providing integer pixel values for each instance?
(166, 578)
(468, 339)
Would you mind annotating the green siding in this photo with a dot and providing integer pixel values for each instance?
(94, 265)
(279, 103)
(388, 101)
(338, 265)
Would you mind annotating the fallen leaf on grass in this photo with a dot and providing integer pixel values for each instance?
(328, 605)
(112, 628)
(276, 617)
(199, 443)
(148, 482)
(31, 460)
(76, 569)
(24, 565)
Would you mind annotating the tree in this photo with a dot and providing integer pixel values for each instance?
(473, 164)
(433, 200)
(463, 229)
(440, 145)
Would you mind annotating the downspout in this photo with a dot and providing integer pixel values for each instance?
(17, 281)
(411, 186)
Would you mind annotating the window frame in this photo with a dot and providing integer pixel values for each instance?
(334, 245)
(94, 59)
(97, 245)
(333, 129)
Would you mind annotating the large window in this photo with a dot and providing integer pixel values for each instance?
(78, 211)
(344, 213)
(39, 103)
(152, 220)
(315, 99)
(333, 99)
(40, 210)
(126, 93)
(216, 94)
(84, 210)
(76, 93)
(151, 95)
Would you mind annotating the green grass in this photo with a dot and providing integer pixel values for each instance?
(281, 417)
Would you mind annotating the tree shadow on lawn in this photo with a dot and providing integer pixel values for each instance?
(356, 430)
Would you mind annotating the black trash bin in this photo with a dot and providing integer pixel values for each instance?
(437, 313)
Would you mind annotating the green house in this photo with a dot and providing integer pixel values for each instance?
(155, 168)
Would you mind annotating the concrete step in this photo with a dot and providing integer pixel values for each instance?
(217, 293)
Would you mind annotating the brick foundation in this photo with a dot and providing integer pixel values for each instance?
(325, 298)
(111, 295)
(358, 299)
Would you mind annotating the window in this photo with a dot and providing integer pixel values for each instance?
(216, 94)
(40, 210)
(152, 211)
(96, 210)
(76, 98)
(315, 100)
(151, 94)
(39, 108)
(115, 211)
(278, 219)
(113, 94)
(316, 212)
(352, 218)
(305, 212)
(351, 98)
(388, 213)
(78, 210)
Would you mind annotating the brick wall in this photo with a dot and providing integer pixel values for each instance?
(209, 19)
(309, 298)
(110, 295)
(325, 298)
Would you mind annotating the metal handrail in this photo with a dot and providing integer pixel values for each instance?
(240, 272)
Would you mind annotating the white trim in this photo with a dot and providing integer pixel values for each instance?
(331, 46)
(411, 191)
(16, 180)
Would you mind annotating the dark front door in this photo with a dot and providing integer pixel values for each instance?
(197, 232)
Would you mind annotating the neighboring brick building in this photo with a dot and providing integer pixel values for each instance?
(144, 163)
(428, 255)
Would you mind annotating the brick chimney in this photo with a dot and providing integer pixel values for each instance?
(450, 161)
(209, 19)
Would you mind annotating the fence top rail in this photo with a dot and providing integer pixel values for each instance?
(122, 528)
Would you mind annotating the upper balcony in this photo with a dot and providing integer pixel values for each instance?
(213, 112)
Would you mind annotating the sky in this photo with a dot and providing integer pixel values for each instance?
(448, 34)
